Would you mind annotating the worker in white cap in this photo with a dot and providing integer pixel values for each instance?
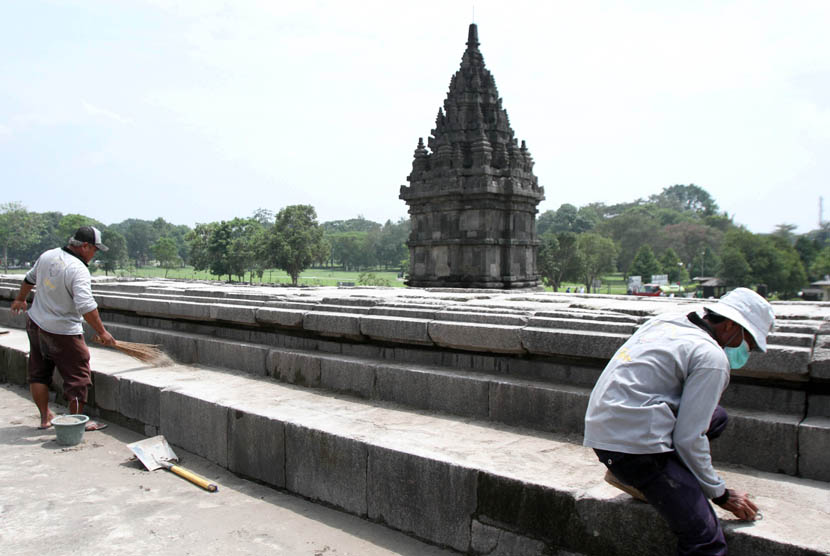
(655, 408)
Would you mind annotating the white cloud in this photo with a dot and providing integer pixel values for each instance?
(103, 112)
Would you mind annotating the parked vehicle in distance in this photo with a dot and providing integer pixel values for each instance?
(648, 290)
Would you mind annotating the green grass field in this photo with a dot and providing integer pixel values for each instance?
(612, 283)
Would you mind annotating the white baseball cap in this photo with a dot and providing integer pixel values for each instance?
(748, 309)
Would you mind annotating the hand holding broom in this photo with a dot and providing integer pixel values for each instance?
(146, 353)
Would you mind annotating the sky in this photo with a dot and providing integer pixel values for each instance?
(200, 110)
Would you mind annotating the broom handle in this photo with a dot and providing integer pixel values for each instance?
(193, 478)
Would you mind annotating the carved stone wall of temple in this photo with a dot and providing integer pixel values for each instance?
(472, 195)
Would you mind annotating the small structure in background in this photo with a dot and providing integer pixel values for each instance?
(818, 291)
(472, 194)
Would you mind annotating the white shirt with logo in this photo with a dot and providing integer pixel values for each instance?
(63, 294)
(658, 394)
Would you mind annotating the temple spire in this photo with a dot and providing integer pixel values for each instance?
(472, 36)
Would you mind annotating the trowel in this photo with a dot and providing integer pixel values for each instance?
(156, 453)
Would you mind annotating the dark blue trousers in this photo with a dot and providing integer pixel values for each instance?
(675, 493)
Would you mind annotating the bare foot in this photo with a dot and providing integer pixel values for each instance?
(95, 426)
(47, 422)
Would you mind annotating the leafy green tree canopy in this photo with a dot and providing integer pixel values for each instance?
(296, 239)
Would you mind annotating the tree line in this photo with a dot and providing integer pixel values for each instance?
(680, 232)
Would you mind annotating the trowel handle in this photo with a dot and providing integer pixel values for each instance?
(193, 478)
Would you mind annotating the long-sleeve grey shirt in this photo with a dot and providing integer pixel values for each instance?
(658, 394)
(63, 294)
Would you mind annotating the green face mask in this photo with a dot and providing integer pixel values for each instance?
(738, 356)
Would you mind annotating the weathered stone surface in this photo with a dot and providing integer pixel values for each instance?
(256, 447)
(820, 363)
(761, 397)
(429, 498)
(152, 307)
(583, 324)
(326, 467)
(814, 448)
(542, 407)
(497, 542)
(195, 424)
(397, 329)
(139, 401)
(477, 337)
(784, 362)
(818, 405)
(294, 367)
(351, 377)
(547, 341)
(768, 440)
(250, 358)
(190, 310)
(432, 389)
(233, 313)
(13, 365)
(427, 313)
(454, 314)
(106, 391)
(289, 318)
(332, 324)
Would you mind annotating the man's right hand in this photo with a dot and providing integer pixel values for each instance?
(740, 505)
(105, 338)
(19, 307)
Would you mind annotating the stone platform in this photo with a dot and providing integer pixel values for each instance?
(453, 416)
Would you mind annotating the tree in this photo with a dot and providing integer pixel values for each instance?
(295, 239)
(70, 223)
(16, 230)
(735, 269)
(785, 232)
(166, 253)
(558, 259)
(116, 256)
(821, 264)
(198, 241)
(633, 228)
(597, 255)
(644, 264)
(686, 198)
(670, 264)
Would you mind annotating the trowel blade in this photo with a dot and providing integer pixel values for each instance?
(152, 450)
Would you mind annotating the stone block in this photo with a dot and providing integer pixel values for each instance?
(197, 425)
(818, 405)
(249, 358)
(542, 407)
(431, 499)
(493, 541)
(764, 397)
(325, 467)
(820, 363)
(302, 369)
(139, 401)
(791, 339)
(233, 313)
(761, 440)
(396, 329)
(622, 527)
(814, 448)
(288, 318)
(333, 324)
(349, 376)
(190, 310)
(456, 394)
(583, 324)
(13, 366)
(391, 311)
(152, 307)
(363, 351)
(571, 343)
(106, 389)
(477, 337)
(256, 447)
(783, 362)
(10, 320)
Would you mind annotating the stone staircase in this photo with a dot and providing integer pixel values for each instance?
(453, 416)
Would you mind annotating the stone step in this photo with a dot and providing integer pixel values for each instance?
(452, 481)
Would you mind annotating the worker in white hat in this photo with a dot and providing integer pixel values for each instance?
(655, 408)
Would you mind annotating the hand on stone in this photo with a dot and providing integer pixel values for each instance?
(740, 505)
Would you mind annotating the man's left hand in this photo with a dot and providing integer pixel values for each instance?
(740, 505)
(19, 307)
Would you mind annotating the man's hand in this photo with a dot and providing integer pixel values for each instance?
(19, 307)
(104, 338)
(740, 505)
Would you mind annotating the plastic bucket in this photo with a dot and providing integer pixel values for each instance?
(69, 428)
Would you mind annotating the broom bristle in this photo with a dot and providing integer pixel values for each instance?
(146, 353)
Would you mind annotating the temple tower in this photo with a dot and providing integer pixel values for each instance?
(472, 195)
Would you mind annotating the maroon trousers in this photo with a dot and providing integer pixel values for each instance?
(68, 353)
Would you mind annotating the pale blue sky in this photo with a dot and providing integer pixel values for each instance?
(200, 110)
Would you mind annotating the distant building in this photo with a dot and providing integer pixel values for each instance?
(472, 195)
(818, 291)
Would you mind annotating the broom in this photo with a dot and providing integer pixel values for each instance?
(146, 353)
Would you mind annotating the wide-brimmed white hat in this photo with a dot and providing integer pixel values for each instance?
(748, 309)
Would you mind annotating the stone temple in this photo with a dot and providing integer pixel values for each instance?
(472, 195)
